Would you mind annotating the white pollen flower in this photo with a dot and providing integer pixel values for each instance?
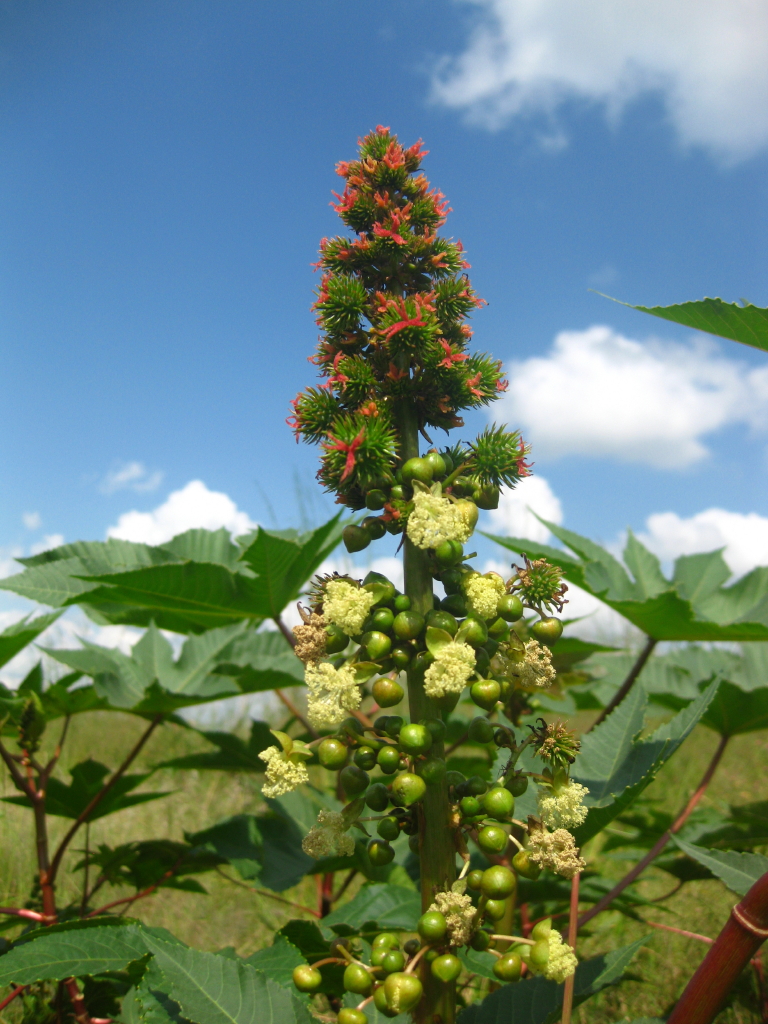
(536, 667)
(556, 850)
(284, 773)
(459, 914)
(562, 960)
(436, 519)
(346, 605)
(483, 593)
(563, 806)
(332, 692)
(328, 836)
(453, 665)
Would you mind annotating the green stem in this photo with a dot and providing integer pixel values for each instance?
(437, 852)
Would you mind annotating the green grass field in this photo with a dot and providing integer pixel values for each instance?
(230, 916)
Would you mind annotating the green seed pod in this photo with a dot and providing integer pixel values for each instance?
(481, 940)
(495, 909)
(480, 730)
(358, 980)
(446, 968)
(306, 978)
(442, 620)
(377, 797)
(414, 844)
(492, 839)
(381, 619)
(432, 926)
(378, 645)
(375, 526)
(394, 725)
(510, 607)
(353, 780)
(451, 580)
(432, 770)
(355, 538)
(541, 929)
(454, 779)
(474, 632)
(402, 603)
(476, 786)
(403, 991)
(470, 806)
(518, 784)
(380, 852)
(524, 866)
(388, 940)
(499, 632)
(393, 960)
(400, 492)
(508, 968)
(498, 882)
(547, 630)
(388, 829)
(456, 604)
(417, 469)
(408, 788)
(499, 803)
(437, 464)
(474, 878)
(436, 727)
(375, 499)
(349, 1015)
(539, 956)
(387, 693)
(381, 1004)
(448, 554)
(421, 663)
(411, 947)
(401, 657)
(336, 640)
(485, 693)
(415, 739)
(332, 754)
(408, 625)
(487, 497)
(365, 758)
(388, 759)
(380, 724)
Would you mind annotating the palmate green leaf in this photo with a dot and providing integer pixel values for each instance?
(236, 839)
(16, 637)
(747, 323)
(261, 661)
(278, 961)
(733, 712)
(233, 755)
(88, 777)
(688, 607)
(616, 765)
(214, 989)
(739, 871)
(153, 862)
(73, 950)
(390, 906)
(538, 1001)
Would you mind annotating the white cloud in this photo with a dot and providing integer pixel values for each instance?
(51, 540)
(32, 520)
(598, 393)
(133, 476)
(744, 536)
(708, 61)
(514, 517)
(194, 506)
(8, 564)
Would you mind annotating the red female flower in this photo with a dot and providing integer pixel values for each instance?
(350, 449)
(451, 357)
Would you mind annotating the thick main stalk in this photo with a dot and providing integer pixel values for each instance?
(437, 855)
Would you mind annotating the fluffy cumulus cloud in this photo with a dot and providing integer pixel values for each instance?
(707, 61)
(515, 515)
(598, 393)
(744, 536)
(192, 507)
(131, 476)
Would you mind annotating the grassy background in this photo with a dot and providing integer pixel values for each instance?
(229, 916)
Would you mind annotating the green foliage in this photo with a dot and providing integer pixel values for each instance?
(693, 605)
(233, 755)
(375, 907)
(16, 637)
(540, 1001)
(739, 871)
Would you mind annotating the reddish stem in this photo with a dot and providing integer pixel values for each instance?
(78, 1003)
(628, 683)
(743, 934)
(30, 915)
(662, 841)
(681, 931)
(9, 998)
(573, 931)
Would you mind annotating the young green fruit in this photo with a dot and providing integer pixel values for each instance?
(353, 780)
(387, 692)
(508, 968)
(541, 929)
(332, 754)
(468, 511)
(454, 779)
(411, 947)
(485, 693)
(492, 839)
(377, 797)
(378, 645)
(403, 992)
(539, 956)
(349, 1015)
(487, 497)
(393, 960)
(470, 806)
(375, 526)
(393, 726)
(524, 866)
(432, 926)
(388, 759)
(388, 829)
(402, 603)
(510, 607)
(442, 620)
(456, 604)
(474, 631)
(381, 619)
(336, 640)
(386, 940)
(448, 553)
(498, 631)
(408, 625)
(358, 980)
(413, 844)
(417, 469)
(548, 630)
(476, 786)
(474, 878)
(446, 968)
(481, 940)
(498, 882)
(499, 803)
(408, 788)
(375, 499)
(380, 852)
(365, 758)
(415, 738)
(437, 465)
(381, 1004)
(401, 657)
(451, 580)
(480, 730)
(432, 770)
(355, 538)
(437, 727)
(495, 909)
(518, 784)
(306, 978)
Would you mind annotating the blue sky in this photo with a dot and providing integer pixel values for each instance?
(165, 173)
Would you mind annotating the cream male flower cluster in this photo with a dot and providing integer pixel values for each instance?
(536, 667)
(332, 693)
(453, 665)
(483, 593)
(286, 770)
(328, 836)
(435, 519)
(562, 806)
(458, 911)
